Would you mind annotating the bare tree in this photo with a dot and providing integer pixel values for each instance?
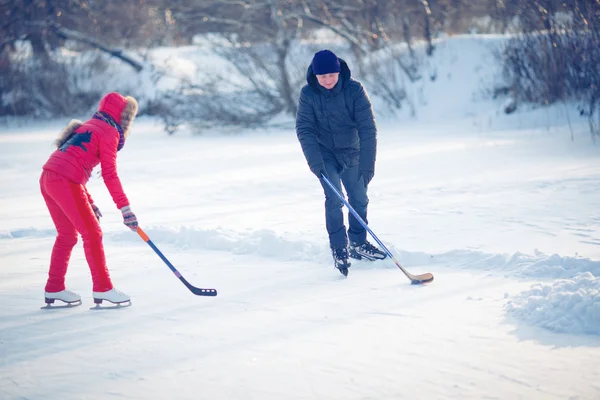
(556, 56)
(47, 24)
(260, 35)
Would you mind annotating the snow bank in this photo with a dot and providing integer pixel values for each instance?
(269, 244)
(564, 306)
(263, 243)
(27, 233)
(537, 265)
(266, 243)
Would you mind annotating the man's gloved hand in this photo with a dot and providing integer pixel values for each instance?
(97, 212)
(367, 176)
(129, 218)
(318, 169)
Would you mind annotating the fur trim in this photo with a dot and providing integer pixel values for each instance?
(67, 131)
(128, 115)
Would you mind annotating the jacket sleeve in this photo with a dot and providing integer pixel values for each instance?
(108, 163)
(306, 129)
(367, 129)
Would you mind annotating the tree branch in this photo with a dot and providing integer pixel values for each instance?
(77, 36)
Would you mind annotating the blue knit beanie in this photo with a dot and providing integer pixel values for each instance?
(325, 62)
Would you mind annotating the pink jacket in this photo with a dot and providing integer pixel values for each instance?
(82, 146)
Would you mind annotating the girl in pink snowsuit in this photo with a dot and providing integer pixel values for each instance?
(80, 148)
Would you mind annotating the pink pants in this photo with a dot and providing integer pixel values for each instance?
(71, 213)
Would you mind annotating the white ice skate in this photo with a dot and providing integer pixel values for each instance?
(66, 296)
(113, 296)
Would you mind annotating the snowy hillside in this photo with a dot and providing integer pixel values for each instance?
(502, 209)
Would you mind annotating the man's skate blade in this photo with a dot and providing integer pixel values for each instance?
(50, 306)
(111, 306)
(343, 270)
(365, 257)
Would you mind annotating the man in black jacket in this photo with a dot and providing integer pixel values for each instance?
(336, 129)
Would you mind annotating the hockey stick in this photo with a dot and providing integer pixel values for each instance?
(414, 279)
(197, 291)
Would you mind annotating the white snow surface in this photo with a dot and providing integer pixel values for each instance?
(503, 210)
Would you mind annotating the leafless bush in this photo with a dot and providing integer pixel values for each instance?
(267, 73)
(254, 89)
(535, 69)
(556, 57)
(45, 88)
(387, 73)
(547, 67)
(207, 109)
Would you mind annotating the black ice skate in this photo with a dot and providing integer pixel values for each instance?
(340, 260)
(366, 251)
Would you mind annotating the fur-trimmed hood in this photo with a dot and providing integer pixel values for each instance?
(122, 109)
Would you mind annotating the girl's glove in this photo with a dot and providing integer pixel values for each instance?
(129, 218)
(97, 212)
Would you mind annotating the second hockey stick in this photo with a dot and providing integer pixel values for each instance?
(414, 279)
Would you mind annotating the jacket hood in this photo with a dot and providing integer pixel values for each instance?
(122, 109)
(345, 75)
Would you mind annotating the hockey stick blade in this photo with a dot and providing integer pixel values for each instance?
(198, 291)
(421, 279)
(414, 279)
(195, 290)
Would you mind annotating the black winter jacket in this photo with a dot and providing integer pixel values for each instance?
(337, 123)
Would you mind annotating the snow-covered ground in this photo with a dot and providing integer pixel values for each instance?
(502, 210)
